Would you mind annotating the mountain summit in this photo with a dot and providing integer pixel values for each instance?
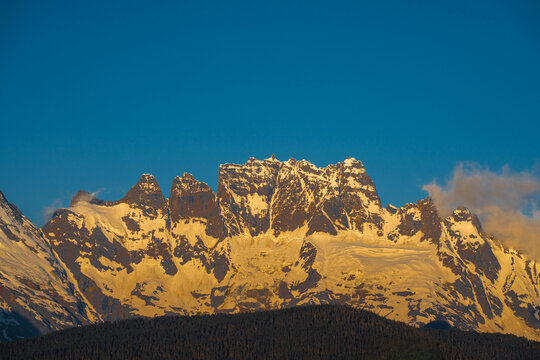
(280, 234)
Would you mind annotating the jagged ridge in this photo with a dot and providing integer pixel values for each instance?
(280, 234)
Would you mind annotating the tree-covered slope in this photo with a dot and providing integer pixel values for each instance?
(310, 332)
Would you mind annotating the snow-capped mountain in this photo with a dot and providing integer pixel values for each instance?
(279, 234)
(36, 292)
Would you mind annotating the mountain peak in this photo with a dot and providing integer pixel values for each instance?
(2, 197)
(14, 210)
(147, 178)
(146, 192)
(188, 177)
(272, 158)
(191, 198)
(187, 182)
(350, 161)
(461, 213)
(351, 165)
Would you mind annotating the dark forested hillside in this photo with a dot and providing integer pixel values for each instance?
(311, 332)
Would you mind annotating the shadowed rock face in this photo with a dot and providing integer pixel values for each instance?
(468, 253)
(194, 199)
(191, 198)
(113, 236)
(280, 234)
(146, 194)
(473, 247)
(359, 195)
(431, 221)
(36, 295)
(285, 196)
(245, 192)
(96, 246)
(420, 218)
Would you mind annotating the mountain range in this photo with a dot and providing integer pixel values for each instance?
(274, 235)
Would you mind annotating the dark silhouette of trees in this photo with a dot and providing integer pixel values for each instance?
(310, 332)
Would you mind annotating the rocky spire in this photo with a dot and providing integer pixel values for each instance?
(194, 199)
(146, 193)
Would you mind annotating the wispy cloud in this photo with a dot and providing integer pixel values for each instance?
(506, 202)
(87, 197)
(97, 192)
(48, 211)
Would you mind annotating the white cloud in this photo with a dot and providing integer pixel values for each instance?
(505, 201)
(48, 211)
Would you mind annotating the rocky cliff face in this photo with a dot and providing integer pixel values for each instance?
(37, 294)
(279, 234)
(270, 195)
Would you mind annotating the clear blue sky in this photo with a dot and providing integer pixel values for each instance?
(94, 93)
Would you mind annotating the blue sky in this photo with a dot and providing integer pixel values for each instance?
(95, 93)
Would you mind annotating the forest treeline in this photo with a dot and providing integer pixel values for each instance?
(308, 332)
